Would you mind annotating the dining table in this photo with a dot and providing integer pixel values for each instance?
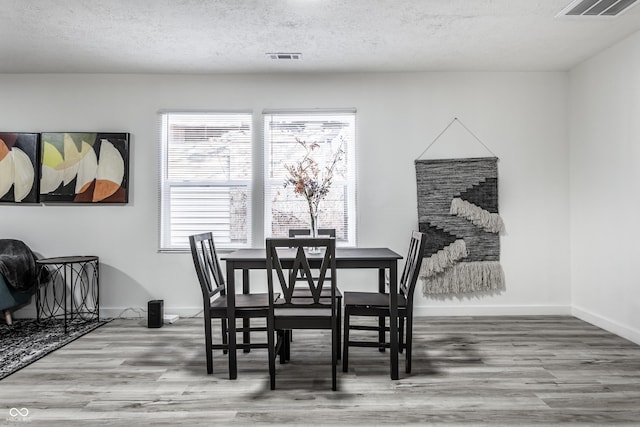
(384, 260)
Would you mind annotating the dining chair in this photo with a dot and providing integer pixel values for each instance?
(314, 311)
(322, 232)
(376, 304)
(217, 305)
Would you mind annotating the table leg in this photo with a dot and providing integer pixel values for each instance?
(97, 288)
(381, 319)
(72, 287)
(231, 316)
(64, 295)
(246, 323)
(37, 294)
(393, 319)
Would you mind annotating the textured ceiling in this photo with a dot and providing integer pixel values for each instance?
(218, 36)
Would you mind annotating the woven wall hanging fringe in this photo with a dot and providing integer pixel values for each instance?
(466, 277)
(458, 211)
(488, 221)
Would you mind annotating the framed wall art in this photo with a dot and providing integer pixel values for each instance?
(79, 167)
(19, 165)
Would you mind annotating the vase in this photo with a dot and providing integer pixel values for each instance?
(314, 231)
(314, 224)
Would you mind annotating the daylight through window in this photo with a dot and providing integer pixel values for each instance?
(331, 131)
(206, 177)
(207, 172)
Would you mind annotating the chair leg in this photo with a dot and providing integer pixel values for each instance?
(208, 344)
(233, 356)
(409, 344)
(281, 344)
(225, 334)
(401, 334)
(339, 313)
(7, 317)
(381, 332)
(334, 355)
(345, 344)
(246, 334)
(271, 353)
(287, 345)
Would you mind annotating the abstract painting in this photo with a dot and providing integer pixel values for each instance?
(458, 211)
(84, 167)
(18, 167)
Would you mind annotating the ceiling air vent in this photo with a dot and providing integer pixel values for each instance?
(284, 55)
(596, 7)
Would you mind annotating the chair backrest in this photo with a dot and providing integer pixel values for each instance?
(205, 260)
(292, 254)
(322, 232)
(411, 270)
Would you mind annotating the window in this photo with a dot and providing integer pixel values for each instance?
(330, 130)
(207, 175)
(206, 178)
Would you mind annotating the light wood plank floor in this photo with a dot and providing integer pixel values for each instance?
(466, 371)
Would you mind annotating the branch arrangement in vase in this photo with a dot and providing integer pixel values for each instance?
(310, 180)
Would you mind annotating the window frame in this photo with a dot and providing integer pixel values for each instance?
(166, 184)
(350, 182)
(257, 184)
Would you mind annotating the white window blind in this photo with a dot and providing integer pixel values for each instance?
(331, 131)
(205, 178)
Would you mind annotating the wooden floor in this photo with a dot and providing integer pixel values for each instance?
(466, 370)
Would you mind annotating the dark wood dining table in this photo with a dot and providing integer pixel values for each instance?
(383, 259)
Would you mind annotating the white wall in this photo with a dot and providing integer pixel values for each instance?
(605, 188)
(521, 117)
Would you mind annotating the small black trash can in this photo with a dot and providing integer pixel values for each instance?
(155, 311)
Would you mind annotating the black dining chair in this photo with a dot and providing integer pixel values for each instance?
(302, 232)
(314, 311)
(376, 304)
(322, 232)
(216, 302)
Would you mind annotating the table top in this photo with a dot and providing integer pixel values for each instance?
(342, 254)
(68, 259)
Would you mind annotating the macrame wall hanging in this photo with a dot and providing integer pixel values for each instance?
(458, 212)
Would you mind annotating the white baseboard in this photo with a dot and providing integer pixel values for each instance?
(453, 310)
(141, 312)
(121, 312)
(493, 310)
(607, 324)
